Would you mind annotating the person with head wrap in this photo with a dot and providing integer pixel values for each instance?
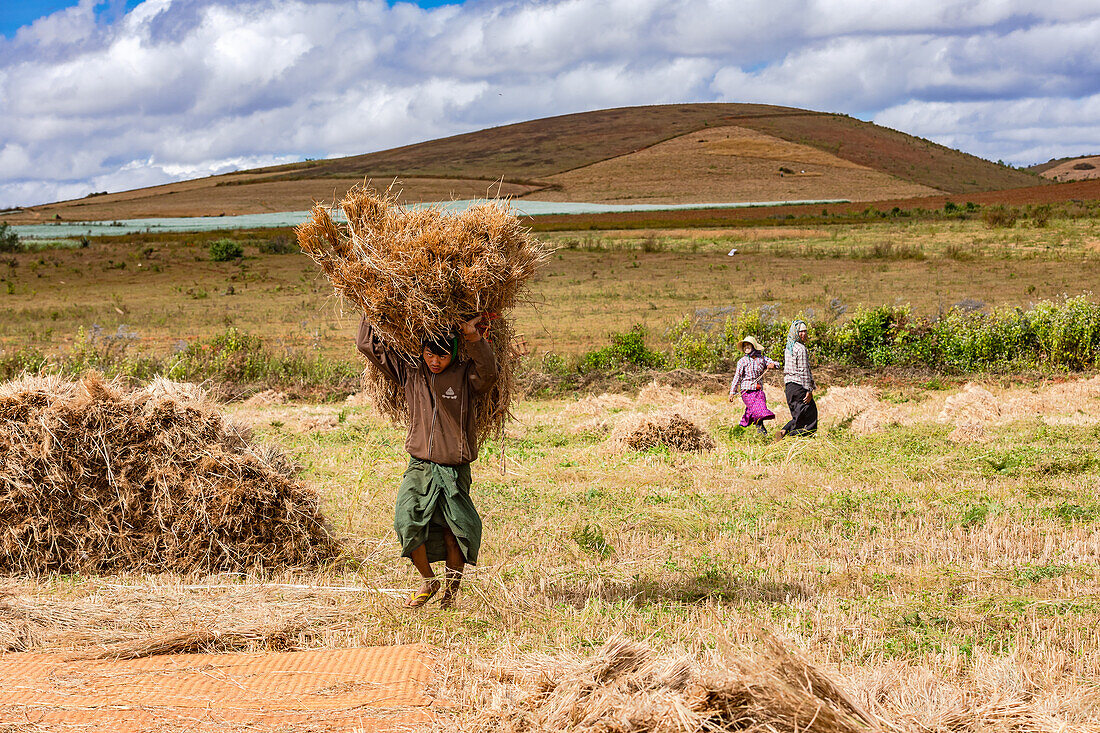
(748, 382)
(435, 519)
(799, 383)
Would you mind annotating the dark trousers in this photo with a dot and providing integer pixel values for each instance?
(803, 415)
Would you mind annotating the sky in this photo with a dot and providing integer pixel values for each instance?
(118, 94)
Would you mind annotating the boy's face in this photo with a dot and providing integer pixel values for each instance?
(436, 363)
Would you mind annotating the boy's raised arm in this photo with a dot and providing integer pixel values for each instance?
(484, 373)
(383, 357)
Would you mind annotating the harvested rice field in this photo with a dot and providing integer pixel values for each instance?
(927, 562)
(910, 572)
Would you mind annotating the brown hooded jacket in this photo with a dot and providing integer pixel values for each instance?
(442, 416)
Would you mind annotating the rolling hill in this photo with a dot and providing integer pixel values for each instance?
(689, 153)
(1082, 168)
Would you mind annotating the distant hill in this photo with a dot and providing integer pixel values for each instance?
(686, 153)
(1081, 168)
(530, 150)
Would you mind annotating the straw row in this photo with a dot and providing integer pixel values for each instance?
(626, 688)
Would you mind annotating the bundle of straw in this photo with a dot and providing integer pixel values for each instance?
(639, 431)
(97, 478)
(418, 274)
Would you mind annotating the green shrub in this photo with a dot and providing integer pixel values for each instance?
(280, 244)
(999, 216)
(224, 250)
(231, 358)
(1040, 215)
(9, 240)
(1066, 335)
(694, 350)
(1058, 335)
(627, 350)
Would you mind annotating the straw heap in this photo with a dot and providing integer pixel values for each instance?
(638, 431)
(625, 688)
(95, 478)
(418, 274)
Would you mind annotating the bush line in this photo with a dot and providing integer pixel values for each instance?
(1050, 335)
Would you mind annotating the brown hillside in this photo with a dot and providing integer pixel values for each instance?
(248, 194)
(904, 156)
(691, 218)
(530, 150)
(616, 154)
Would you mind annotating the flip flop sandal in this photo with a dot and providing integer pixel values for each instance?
(419, 599)
(447, 600)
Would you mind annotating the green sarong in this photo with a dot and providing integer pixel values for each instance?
(430, 498)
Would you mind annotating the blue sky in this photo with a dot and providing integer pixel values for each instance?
(14, 14)
(117, 94)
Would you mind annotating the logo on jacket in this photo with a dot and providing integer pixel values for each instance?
(450, 394)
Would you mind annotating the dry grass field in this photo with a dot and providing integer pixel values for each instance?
(947, 584)
(933, 551)
(168, 290)
(727, 164)
(1075, 169)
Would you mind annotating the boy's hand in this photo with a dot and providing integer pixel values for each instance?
(469, 329)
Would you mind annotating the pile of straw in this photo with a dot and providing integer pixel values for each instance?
(417, 274)
(624, 687)
(842, 403)
(96, 478)
(638, 431)
(267, 397)
(973, 404)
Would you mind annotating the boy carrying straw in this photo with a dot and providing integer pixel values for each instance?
(435, 519)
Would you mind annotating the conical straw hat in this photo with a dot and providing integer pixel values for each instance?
(751, 342)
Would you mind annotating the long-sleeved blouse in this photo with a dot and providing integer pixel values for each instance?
(750, 373)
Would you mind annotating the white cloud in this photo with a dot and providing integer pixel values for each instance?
(178, 88)
(1022, 131)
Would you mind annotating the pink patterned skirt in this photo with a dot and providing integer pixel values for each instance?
(756, 407)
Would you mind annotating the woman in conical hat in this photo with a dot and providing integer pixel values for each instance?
(748, 382)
